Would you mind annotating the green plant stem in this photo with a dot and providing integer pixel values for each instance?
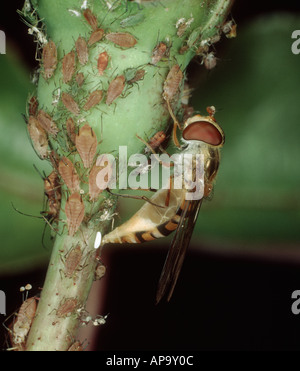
(141, 111)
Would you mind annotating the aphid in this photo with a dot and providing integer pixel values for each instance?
(157, 139)
(86, 145)
(49, 57)
(33, 106)
(170, 89)
(93, 99)
(52, 190)
(46, 122)
(79, 79)
(68, 66)
(139, 74)
(38, 137)
(158, 52)
(229, 29)
(94, 190)
(132, 20)
(96, 185)
(96, 36)
(211, 110)
(183, 49)
(66, 307)
(69, 175)
(201, 135)
(210, 61)
(76, 347)
(99, 320)
(125, 40)
(182, 25)
(74, 210)
(82, 50)
(172, 83)
(72, 261)
(102, 62)
(24, 320)
(91, 19)
(115, 89)
(71, 130)
(70, 103)
(99, 271)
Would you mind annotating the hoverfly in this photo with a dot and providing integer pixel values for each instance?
(200, 135)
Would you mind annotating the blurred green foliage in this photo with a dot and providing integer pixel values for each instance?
(255, 88)
(20, 184)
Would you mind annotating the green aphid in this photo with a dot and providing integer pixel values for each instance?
(132, 20)
(129, 73)
(194, 37)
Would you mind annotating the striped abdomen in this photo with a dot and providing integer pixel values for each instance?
(151, 222)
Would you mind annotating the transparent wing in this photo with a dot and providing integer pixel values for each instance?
(177, 250)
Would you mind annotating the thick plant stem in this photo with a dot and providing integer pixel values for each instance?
(102, 84)
(64, 294)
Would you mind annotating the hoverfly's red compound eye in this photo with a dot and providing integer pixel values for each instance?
(202, 129)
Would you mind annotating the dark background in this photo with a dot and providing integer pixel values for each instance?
(240, 302)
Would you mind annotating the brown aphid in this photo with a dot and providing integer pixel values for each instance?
(102, 62)
(67, 307)
(47, 123)
(33, 106)
(96, 36)
(183, 49)
(86, 145)
(79, 79)
(157, 139)
(76, 347)
(172, 82)
(107, 176)
(91, 19)
(70, 103)
(71, 129)
(72, 261)
(93, 99)
(99, 271)
(115, 89)
(138, 76)
(123, 39)
(49, 57)
(94, 190)
(38, 137)
(82, 50)
(24, 320)
(74, 210)
(69, 175)
(158, 52)
(52, 190)
(68, 66)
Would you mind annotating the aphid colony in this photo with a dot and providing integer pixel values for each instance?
(43, 130)
(21, 321)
